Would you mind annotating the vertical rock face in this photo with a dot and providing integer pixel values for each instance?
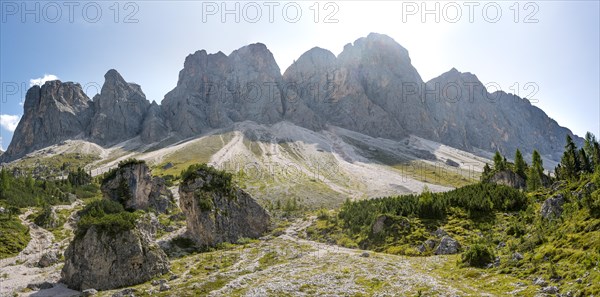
(466, 116)
(361, 90)
(371, 87)
(53, 113)
(216, 90)
(134, 187)
(120, 109)
(154, 128)
(217, 215)
(105, 261)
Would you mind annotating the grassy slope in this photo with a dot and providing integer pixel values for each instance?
(13, 236)
(564, 251)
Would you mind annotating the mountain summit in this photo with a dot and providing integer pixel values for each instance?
(371, 87)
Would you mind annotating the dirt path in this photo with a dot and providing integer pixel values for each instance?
(309, 268)
(22, 269)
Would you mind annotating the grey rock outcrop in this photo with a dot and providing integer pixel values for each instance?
(215, 90)
(371, 87)
(447, 246)
(552, 207)
(508, 178)
(48, 259)
(52, 113)
(459, 103)
(154, 127)
(119, 110)
(219, 215)
(104, 261)
(133, 186)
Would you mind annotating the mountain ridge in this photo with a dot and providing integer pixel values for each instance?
(371, 87)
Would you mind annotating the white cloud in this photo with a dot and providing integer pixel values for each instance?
(9, 121)
(1, 144)
(41, 80)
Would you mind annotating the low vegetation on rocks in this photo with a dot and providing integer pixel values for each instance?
(551, 232)
(105, 215)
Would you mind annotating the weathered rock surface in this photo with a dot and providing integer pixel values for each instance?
(48, 259)
(154, 127)
(104, 261)
(447, 246)
(459, 103)
(119, 110)
(552, 207)
(215, 90)
(133, 186)
(52, 113)
(371, 87)
(216, 215)
(508, 178)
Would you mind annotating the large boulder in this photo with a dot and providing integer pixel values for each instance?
(218, 212)
(447, 246)
(103, 260)
(552, 207)
(132, 185)
(508, 178)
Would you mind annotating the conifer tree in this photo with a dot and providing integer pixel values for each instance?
(586, 166)
(535, 172)
(570, 165)
(520, 165)
(499, 163)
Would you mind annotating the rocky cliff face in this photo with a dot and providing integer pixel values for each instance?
(215, 90)
(53, 113)
(133, 186)
(371, 87)
(104, 261)
(119, 110)
(216, 215)
(467, 116)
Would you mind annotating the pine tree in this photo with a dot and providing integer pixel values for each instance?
(586, 166)
(499, 163)
(570, 165)
(588, 144)
(535, 172)
(486, 172)
(520, 165)
(596, 155)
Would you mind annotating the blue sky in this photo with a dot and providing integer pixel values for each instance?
(552, 45)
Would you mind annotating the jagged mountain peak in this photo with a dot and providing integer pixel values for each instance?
(375, 45)
(363, 89)
(113, 75)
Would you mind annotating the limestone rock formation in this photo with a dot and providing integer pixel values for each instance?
(371, 87)
(215, 90)
(154, 127)
(132, 185)
(552, 207)
(104, 261)
(467, 116)
(52, 113)
(508, 178)
(447, 246)
(119, 109)
(218, 212)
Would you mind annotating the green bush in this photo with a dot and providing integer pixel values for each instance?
(106, 216)
(478, 255)
(205, 202)
(46, 218)
(14, 236)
